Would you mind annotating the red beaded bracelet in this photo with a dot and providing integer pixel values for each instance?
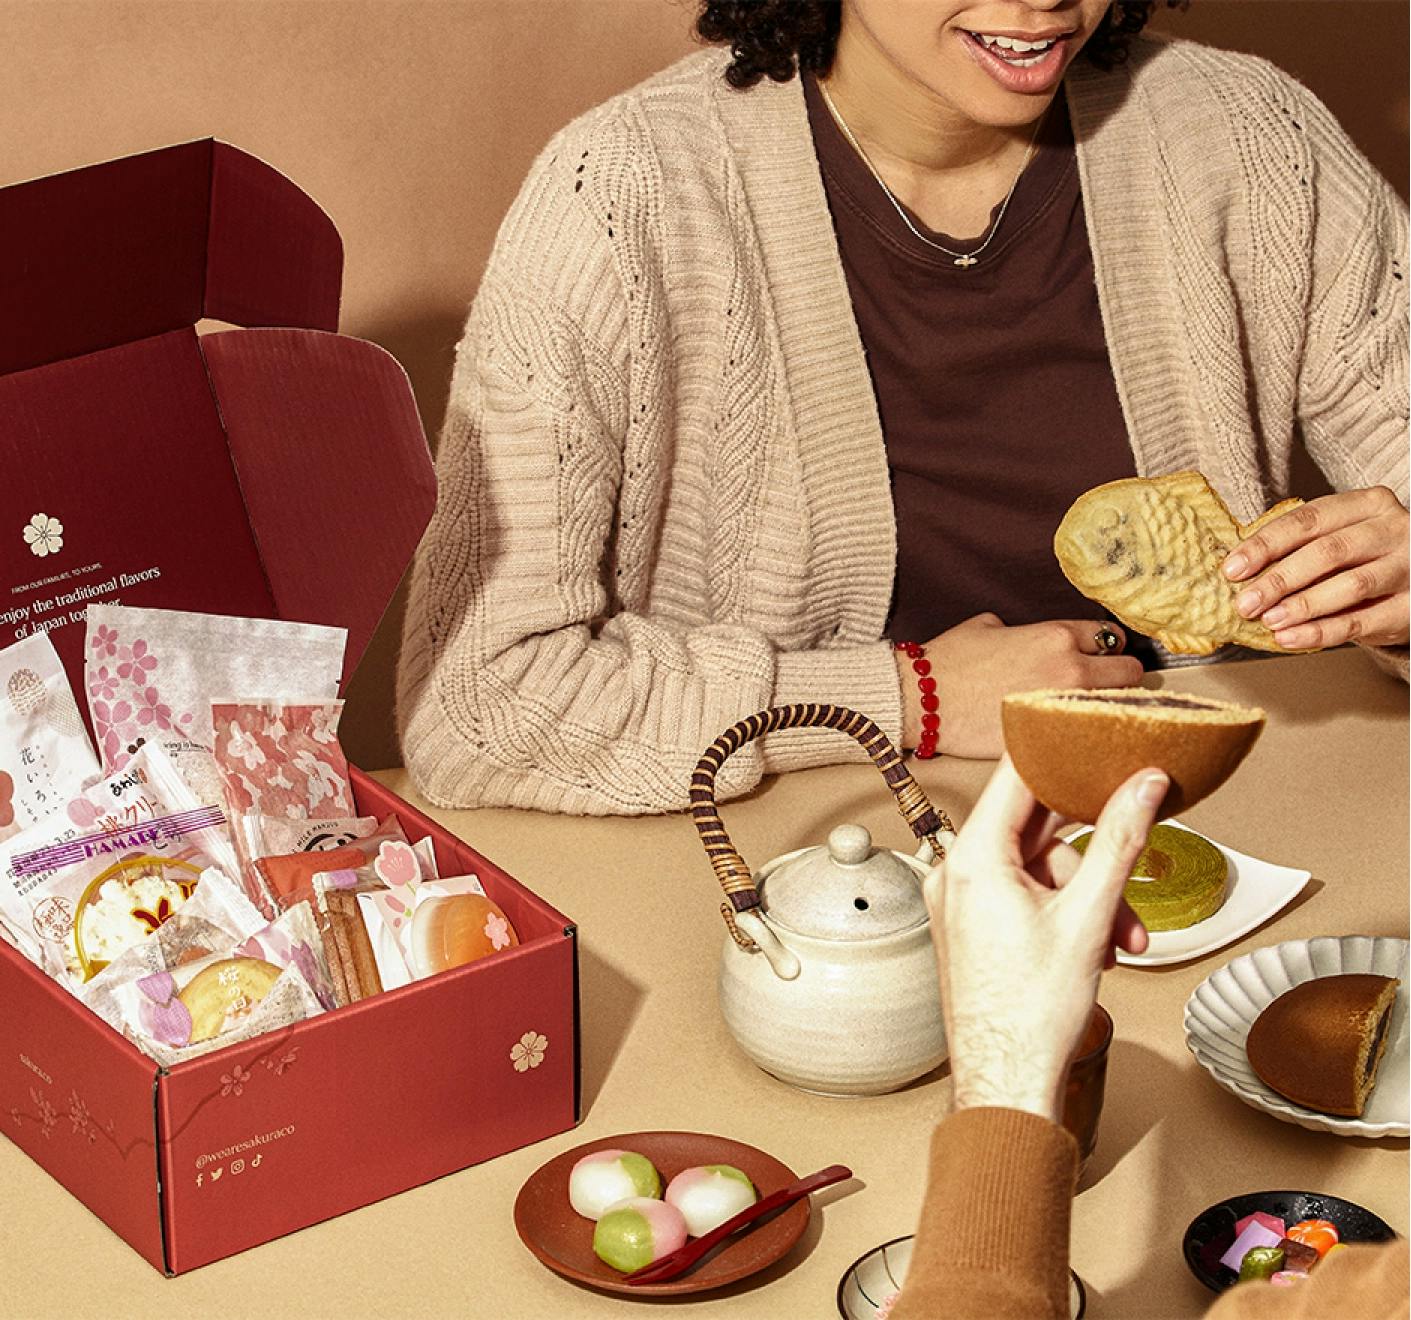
(930, 703)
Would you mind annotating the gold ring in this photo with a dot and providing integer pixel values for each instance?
(1107, 640)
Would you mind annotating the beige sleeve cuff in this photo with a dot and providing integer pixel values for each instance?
(861, 678)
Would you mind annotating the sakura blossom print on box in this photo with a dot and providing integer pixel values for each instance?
(282, 760)
(151, 675)
(45, 755)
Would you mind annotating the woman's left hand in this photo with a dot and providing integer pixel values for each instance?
(1333, 570)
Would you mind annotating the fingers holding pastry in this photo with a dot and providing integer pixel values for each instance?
(1330, 571)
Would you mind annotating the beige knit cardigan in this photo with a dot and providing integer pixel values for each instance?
(664, 496)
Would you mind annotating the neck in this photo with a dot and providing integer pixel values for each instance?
(903, 124)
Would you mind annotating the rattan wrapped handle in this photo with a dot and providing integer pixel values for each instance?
(734, 875)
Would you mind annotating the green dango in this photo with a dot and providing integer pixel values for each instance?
(1178, 880)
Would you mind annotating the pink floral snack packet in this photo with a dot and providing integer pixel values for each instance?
(45, 755)
(151, 674)
(270, 980)
(279, 759)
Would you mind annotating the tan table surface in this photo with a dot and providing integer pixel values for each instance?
(1325, 789)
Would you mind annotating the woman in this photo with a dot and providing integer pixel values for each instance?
(765, 371)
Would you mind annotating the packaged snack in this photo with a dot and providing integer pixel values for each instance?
(270, 980)
(149, 788)
(45, 755)
(351, 964)
(289, 877)
(432, 927)
(151, 675)
(217, 916)
(272, 836)
(100, 894)
(284, 760)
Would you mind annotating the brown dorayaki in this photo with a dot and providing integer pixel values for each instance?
(1073, 748)
(1320, 1043)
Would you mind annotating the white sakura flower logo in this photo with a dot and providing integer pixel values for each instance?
(44, 535)
(497, 930)
(528, 1051)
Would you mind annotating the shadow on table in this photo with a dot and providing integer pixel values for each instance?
(1281, 685)
(611, 1002)
(1122, 1126)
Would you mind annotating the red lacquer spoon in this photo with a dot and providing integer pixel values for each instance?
(681, 1260)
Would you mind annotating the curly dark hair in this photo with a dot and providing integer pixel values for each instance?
(774, 38)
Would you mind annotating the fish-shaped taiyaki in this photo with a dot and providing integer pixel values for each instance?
(1150, 550)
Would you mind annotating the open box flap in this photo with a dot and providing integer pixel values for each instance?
(333, 466)
(275, 470)
(132, 248)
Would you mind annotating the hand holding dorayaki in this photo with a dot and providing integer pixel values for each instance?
(976, 663)
(1333, 570)
(1011, 894)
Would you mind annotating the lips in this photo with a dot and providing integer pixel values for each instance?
(1025, 63)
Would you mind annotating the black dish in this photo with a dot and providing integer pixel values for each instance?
(1213, 1230)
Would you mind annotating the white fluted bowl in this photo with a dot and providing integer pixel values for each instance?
(1222, 1008)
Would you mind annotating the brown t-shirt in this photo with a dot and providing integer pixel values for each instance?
(993, 385)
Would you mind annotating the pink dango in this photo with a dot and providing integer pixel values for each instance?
(606, 1177)
(635, 1232)
(709, 1194)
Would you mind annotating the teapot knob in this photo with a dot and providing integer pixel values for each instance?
(850, 844)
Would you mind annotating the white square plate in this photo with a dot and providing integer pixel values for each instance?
(1254, 892)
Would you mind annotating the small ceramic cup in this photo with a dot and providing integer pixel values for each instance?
(1087, 1078)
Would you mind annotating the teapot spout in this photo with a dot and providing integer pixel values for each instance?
(784, 963)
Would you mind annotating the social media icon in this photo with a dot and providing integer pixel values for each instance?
(200, 1178)
(255, 1163)
(237, 1166)
(215, 1174)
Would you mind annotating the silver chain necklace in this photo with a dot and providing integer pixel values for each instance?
(962, 259)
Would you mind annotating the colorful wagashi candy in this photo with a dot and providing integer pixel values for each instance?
(1320, 1234)
(1261, 1263)
(635, 1232)
(709, 1194)
(606, 1177)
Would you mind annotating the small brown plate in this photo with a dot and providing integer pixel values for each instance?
(563, 1240)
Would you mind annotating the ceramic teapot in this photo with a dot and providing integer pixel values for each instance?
(828, 979)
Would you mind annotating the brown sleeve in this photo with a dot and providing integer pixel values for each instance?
(1361, 1283)
(992, 1243)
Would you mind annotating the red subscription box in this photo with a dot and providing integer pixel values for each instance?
(282, 472)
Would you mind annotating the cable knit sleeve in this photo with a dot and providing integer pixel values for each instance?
(1352, 398)
(533, 671)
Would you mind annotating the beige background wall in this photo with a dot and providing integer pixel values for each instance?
(413, 121)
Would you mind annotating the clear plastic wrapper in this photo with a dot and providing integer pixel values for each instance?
(99, 894)
(270, 980)
(147, 789)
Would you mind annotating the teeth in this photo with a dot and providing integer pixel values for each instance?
(1014, 43)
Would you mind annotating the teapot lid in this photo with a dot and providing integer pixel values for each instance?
(846, 890)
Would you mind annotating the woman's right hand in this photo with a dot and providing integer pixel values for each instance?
(978, 661)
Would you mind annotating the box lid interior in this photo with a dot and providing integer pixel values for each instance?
(275, 470)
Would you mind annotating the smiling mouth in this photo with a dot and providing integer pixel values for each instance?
(1016, 51)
